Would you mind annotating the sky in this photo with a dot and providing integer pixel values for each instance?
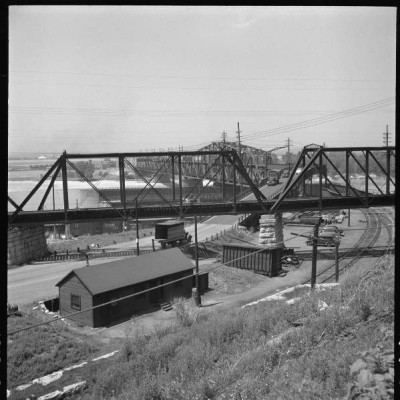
(88, 79)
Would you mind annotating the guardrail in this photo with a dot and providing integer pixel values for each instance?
(90, 255)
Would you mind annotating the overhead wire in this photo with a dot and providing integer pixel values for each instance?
(247, 78)
(320, 120)
(138, 293)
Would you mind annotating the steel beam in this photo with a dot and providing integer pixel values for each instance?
(51, 184)
(242, 207)
(223, 178)
(295, 181)
(241, 169)
(340, 149)
(14, 204)
(180, 184)
(34, 190)
(121, 165)
(150, 154)
(91, 185)
(173, 177)
(320, 179)
(347, 179)
(383, 170)
(366, 175)
(387, 171)
(148, 183)
(65, 184)
(204, 176)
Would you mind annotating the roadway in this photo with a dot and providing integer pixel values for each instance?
(37, 281)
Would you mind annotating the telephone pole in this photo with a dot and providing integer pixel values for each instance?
(240, 147)
(386, 137)
(240, 156)
(288, 158)
(196, 250)
(224, 137)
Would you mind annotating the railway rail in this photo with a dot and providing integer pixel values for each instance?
(370, 236)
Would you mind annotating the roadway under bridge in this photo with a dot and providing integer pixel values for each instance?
(320, 179)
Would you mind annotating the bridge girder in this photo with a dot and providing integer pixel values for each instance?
(313, 161)
(256, 162)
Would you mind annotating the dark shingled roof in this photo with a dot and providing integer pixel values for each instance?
(132, 270)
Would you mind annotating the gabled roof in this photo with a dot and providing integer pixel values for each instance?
(129, 271)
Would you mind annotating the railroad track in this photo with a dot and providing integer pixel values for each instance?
(388, 217)
(364, 244)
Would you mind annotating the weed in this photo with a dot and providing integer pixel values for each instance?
(183, 315)
(133, 347)
(42, 351)
(228, 354)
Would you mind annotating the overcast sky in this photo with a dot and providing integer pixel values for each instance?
(114, 78)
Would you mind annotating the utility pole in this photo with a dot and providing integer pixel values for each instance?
(240, 157)
(240, 147)
(314, 255)
(196, 249)
(224, 137)
(288, 146)
(386, 137)
(137, 228)
(54, 207)
(337, 261)
(386, 141)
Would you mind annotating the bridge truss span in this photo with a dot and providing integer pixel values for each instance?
(158, 184)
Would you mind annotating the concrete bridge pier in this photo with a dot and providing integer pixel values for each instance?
(25, 243)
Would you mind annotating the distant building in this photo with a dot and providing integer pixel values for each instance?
(87, 287)
(42, 158)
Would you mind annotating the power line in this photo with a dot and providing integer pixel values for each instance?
(199, 77)
(133, 112)
(321, 120)
(80, 84)
(138, 293)
(300, 125)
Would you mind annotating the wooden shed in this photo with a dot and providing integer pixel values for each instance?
(88, 287)
(256, 258)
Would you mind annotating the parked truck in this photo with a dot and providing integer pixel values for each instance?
(273, 177)
(171, 233)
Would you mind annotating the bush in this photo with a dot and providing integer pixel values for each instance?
(228, 354)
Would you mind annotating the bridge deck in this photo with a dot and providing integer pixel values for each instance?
(242, 207)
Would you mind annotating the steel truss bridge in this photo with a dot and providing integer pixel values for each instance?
(256, 162)
(300, 192)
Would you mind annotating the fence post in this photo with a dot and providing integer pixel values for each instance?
(337, 262)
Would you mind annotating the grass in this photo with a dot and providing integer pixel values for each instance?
(42, 350)
(249, 353)
(236, 354)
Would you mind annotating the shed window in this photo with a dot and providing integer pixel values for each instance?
(75, 302)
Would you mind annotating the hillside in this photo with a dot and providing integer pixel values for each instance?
(331, 344)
